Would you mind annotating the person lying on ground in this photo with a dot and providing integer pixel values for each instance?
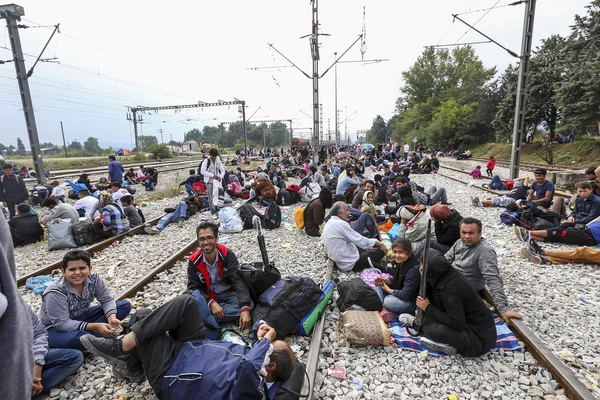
(131, 212)
(186, 208)
(344, 243)
(189, 182)
(169, 347)
(314, 213)
(112, 215)
(59, 210)
(447, 229)
(51, 366)
(87, 205)
(360, 191)
(579, 235)
(580, 255)
(519, 192)
(542, 190)
(66, 311)
(399, 293)
(216, 284)
(25, 227)
(456, 318)
(473, 257)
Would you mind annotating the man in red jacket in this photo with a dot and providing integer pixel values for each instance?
(214, 280)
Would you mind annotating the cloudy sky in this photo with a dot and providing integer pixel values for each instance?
(114, 54)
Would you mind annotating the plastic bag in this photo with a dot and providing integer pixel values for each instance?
(38, 283)
(230, 221)
(218, 194)
(394, 232)
(386, 227)
(60, 235)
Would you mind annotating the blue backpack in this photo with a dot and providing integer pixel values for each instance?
(307, 323)
(510, 218)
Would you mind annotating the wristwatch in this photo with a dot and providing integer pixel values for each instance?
(40, 362)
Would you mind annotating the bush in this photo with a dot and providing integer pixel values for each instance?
(140, 157)
(160, 151)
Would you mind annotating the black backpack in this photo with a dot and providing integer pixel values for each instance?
(272, 218)
(284, 198)
(535, 219)
(357, 292)
(83, 233)
(246, 212)
(285, 303)
(259, 277)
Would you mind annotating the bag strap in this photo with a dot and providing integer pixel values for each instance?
(293, 391)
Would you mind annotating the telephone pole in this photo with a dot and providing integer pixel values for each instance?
(314, 49)
(63, 135)
(161, 136)
(13, 13)
(524, 68)
(337, 136)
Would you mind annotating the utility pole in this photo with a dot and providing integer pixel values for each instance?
(524, 68)
(291, 134)
(243, 105)
(64, 142)
(314, 47)
(337, 139)
(13, 13)
(161, 136)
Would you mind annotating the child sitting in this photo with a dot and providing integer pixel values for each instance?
(131, 212)
(58, 191)
(66, 310)
(476, 172)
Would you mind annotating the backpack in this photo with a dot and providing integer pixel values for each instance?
(293, 188)
(284, 198)
(357, 292)
(259, 278)
(510, 218)
(286, 303)
(307, 323)
(245, 195)
(246, 212)
(272, 217)
(130, 189)
(535, 219)
(83, 233)
(299, 216)
(332, 184)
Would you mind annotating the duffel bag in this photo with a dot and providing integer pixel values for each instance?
(356, 292)
(362, 328)
(259, 278)
(307, 323)
(285, 303)
(60, 235)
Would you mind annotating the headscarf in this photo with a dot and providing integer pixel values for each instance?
(105, 199)
(366, 202)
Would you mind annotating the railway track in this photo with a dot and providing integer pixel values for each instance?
(528, 166)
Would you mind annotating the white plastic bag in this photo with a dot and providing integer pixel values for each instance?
(218, 194)
(230, 221)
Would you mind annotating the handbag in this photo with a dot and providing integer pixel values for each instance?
(362, 328)
(259, 277)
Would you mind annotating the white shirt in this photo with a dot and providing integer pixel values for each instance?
(118, 194)
(58, 191)
(341, 242)
(87, 203)
(214, 169)
(140, 173)
(406, 148)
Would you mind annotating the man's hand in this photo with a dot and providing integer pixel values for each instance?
(245, 320)
(105, 330)
(36, 386)
(262, 330)
(114, 322)
(508, 314)
(381, 247)
(270, 334)
(422, 303)
(217, 311)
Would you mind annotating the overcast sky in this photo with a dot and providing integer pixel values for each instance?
(118, 53)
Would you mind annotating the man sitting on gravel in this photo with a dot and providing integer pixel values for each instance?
(169, 346)
(473, 256)
(360, 192)
(542, 190)
(66, 311)
(184, 210)
(348, 248)
(215, 283)
(25, 227)
(86, 205)
(59, 210)
(519, 192)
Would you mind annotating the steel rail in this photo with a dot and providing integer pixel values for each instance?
(94, 248)
(526, 165)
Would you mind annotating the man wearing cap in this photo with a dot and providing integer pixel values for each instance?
(264, 188)
(542, 190)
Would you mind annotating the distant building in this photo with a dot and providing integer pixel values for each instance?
(191, 145)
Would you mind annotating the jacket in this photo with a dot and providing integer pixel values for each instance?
(266, 188)
(199, 277)
(25, 229)
(314, 213)
(13, 189)
(415, 229)
(406, 279)
(209, 171)
(448, 231)
(214, 369)
(455, 304)
(586, 210)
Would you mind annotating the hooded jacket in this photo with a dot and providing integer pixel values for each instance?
(25, 229)
(406, 279)
(314, 213)
(406, 196)
(415, 229)
(455, 304)
(448, 231)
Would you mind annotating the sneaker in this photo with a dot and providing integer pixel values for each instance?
(521, 233)
(532, 257)
(476, 202)
(436, 346)
(122, 371)
(109, 349)
(535, 248)
(407, 319)
(150, 230)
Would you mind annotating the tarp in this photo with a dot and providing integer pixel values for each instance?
(123, 152)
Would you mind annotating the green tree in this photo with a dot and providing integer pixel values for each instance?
(277, 135)
(174, 143)
(194, 135)
(11, 150)
(145, 142)
(3, 148)
(452, 124)
(75, 145)
(48, 145)
(20, 147)
(378, 131)
(160, 150)
(92, 146)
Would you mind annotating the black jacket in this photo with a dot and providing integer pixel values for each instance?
(25, 229)
(448, 231)
(455, 304)
(13, 189)
(406, 279)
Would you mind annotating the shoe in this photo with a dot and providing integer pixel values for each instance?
(121, 370)
(436, 346)
(535, 248)
(407, 319)
(522, 234)
(532, 257)
(476, 202)
(151, 230)
(109, 349)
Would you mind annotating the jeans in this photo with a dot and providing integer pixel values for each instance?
(60, 364)
(209, 191)
(189, 189)
(70, 339)
(180, 212)
(231, 311)
(365, 221)
(394, 304)
(436, 195)
(405, 155)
